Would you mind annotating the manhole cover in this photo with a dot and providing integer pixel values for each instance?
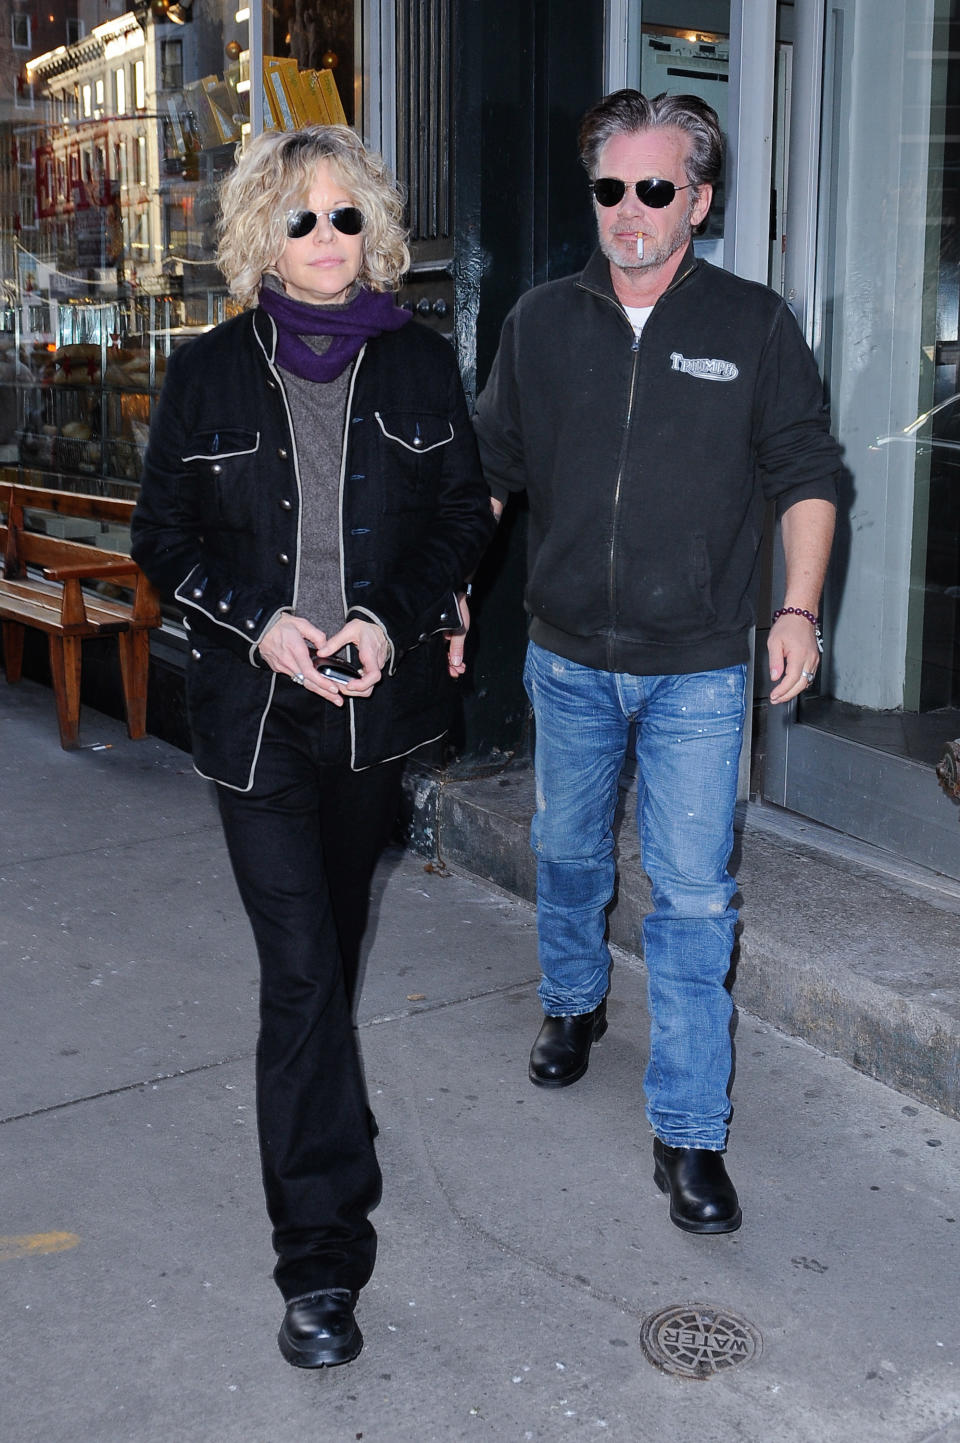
(696, 1340)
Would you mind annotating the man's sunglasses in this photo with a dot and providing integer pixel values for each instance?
(347, 219)
(655, 193)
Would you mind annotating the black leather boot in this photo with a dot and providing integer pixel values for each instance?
(562, 1049)
(702, 1197)
(319, 1331)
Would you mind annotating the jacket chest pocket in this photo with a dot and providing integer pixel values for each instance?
(413, 446)
(221, 469)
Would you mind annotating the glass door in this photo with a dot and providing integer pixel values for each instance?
(876, 247)
(685, 49)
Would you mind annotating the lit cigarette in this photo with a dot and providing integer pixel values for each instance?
(639, 245)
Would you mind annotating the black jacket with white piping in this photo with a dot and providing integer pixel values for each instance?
(217, 529)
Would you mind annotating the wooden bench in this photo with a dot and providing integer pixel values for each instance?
(41, 587)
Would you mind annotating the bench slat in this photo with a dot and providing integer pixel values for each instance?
(22, 599)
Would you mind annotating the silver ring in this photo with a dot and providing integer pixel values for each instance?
(297, 676)
(808, 675)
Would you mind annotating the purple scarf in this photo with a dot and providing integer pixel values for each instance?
(351, 325)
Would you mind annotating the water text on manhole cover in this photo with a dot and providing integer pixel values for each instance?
(697, 1340)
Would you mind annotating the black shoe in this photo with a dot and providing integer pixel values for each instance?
(702, 1197)
(562, 1049)
(319, 1331)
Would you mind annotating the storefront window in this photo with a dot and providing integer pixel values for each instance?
(883, 323)
(890, 355)
(316, 41)
(108, 229)
(110, 198)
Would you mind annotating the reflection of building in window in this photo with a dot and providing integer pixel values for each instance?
(20, 35)
(171, 64)
(139, 123)
(140, 234)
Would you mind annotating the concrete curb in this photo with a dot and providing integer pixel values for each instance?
(840, 944)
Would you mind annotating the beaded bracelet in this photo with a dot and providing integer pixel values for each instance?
(808, 615)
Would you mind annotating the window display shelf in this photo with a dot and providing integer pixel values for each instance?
(80, 411)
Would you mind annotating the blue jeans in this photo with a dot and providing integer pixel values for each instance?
(689, 732)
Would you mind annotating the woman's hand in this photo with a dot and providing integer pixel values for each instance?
(372, 647)
(285, 649)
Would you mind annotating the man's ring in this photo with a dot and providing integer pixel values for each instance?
(297, 676)
(807, 675)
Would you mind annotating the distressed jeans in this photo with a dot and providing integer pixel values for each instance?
(688, 736)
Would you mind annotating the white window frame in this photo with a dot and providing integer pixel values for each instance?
(21, 24)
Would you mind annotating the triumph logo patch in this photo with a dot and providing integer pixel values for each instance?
(704, 368)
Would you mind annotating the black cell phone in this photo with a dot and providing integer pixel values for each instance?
(340, 667)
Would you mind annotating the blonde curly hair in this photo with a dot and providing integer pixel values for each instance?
(274, 174)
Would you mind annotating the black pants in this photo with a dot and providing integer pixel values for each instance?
(304, 843)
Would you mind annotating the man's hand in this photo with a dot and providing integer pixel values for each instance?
(793, 656)
(806, 529)
(457, 640)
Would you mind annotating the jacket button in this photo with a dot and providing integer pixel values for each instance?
(249, 623)
(216, 468)
(283, 558)
(223, 607)
(418, 440)
(282, 453)
(195, 654)
(286, 504)
(444, 616)
(423, 635)
(197, 593)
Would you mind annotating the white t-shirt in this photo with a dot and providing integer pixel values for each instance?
(637, 316)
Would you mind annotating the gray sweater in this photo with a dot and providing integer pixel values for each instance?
(318, 411)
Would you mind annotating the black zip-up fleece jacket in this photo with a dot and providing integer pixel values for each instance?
(648, 464)
(217, 528)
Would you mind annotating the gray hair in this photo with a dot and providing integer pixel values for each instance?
(627, 111)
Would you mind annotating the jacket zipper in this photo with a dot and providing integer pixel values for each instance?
(611, 578)
(618, 486)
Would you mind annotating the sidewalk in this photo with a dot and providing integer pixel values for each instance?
(524, 1247)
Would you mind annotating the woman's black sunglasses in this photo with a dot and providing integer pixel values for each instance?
(654, 193)
(347, 219)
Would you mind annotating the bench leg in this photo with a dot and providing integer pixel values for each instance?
(134, 669)
(65, 670)
(13, 634)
